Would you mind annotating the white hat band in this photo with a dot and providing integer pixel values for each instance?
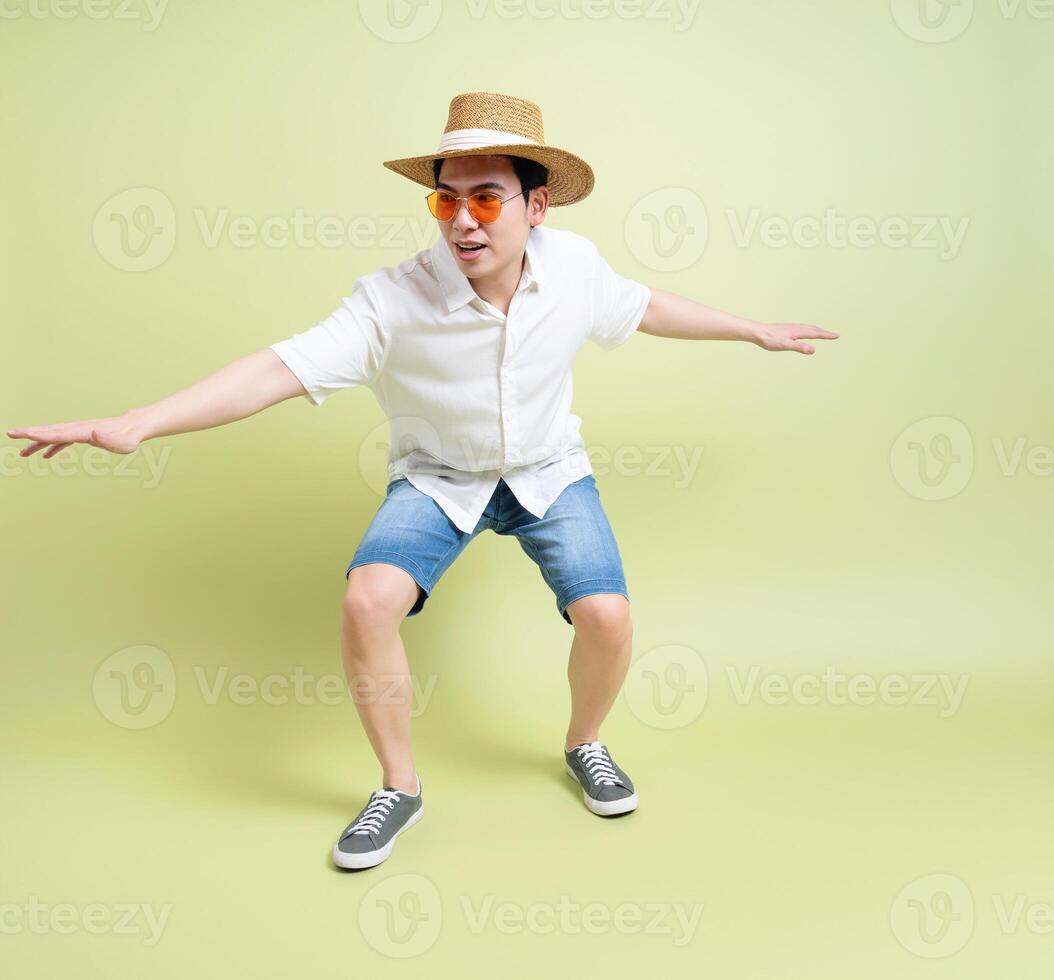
(474, 139)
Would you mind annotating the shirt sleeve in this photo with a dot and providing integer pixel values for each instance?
(617, 303)
(346, 349)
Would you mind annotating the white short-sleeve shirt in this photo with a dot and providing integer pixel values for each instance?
(473, 395)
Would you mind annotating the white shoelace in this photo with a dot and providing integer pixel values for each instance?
(598, 764)
(382, 802)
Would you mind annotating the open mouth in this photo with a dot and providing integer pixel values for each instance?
(469, 252)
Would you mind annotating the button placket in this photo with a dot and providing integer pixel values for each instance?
(509, 391)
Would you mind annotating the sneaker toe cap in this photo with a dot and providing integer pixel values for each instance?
(357, 844)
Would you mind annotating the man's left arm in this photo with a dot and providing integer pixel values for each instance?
(671, 315)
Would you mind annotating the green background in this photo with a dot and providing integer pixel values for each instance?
(852, 511)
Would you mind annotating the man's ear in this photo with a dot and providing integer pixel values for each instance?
(539, 204)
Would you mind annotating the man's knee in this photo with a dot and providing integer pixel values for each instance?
(603, 613)
(378, 594)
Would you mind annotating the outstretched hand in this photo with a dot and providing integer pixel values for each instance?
(117, 434)
(788, 336)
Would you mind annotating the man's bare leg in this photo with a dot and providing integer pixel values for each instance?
(377, 599)
(598, 663)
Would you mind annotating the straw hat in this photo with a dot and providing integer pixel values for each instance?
(480, 123)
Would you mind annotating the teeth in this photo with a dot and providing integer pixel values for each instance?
(470, 248)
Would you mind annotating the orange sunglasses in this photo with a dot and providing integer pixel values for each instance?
(484, 207)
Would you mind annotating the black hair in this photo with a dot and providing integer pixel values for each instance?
(531, 173)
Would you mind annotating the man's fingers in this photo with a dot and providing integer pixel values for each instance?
(47, 434)
(809, 330)
(792, 343)
(72, 430)
(799, 330)
(29, 450)
(41, 433)
(57, 448)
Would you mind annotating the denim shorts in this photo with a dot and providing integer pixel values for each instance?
(572, 545)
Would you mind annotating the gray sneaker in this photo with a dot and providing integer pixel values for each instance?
(370, 837)
(606, 789)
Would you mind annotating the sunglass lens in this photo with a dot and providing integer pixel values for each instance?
(485, 207)
(441, 205)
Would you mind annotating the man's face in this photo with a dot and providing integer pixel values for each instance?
(504, 239)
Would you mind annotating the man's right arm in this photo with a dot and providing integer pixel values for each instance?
(235, 391)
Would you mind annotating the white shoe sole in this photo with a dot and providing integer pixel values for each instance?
(344, 860)
(604, 808)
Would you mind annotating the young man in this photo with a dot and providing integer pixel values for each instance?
(468, 347)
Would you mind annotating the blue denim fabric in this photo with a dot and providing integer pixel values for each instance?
(572, 545)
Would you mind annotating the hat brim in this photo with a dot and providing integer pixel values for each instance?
(570, 177)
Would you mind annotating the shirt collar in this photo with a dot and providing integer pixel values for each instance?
(457, 290)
